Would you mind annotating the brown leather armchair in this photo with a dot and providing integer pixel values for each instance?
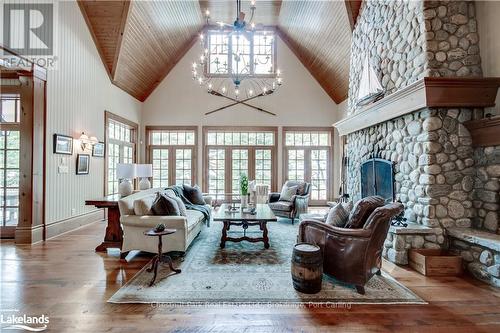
(291, 209)
(352, 255)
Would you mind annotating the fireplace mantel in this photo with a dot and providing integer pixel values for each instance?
(432, 92)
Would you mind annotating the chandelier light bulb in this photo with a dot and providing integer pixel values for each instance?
(207, 13)
(278, 72)
(252, 25)
(201, 36)
(252, 3)
(209, 87)
(280, 81)
(250, 93)
(206, 51)
(223, 90)
(236, 92)
(200, 80)
(264, 90)
(194, 65)
(202, 59)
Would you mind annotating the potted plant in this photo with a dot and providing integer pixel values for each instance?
(244, 190)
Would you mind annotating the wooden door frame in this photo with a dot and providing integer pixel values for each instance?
(307, 157)
(273, 148)
(172, 148)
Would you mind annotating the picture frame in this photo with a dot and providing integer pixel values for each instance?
(63, 144)
(99, 149)
(82, 164)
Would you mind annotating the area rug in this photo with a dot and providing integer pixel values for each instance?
(246, 273)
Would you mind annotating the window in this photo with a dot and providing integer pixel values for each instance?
(257, 52)
(307, 155)
(171, 151)
(121, 138)
(233, 151)
(9, 159)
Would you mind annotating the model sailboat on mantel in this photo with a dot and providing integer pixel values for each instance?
(370, 88)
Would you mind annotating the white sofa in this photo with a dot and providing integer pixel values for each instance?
(188, 227)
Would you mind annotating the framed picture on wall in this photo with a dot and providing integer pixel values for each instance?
(98, 149)
(82, 164)
(63, 144)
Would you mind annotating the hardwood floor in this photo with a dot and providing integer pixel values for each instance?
(65, 279)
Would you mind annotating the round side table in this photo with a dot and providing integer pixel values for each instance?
(160, 257)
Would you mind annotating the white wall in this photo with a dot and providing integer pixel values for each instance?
(301, 101)
(488, 13)
(78, 92)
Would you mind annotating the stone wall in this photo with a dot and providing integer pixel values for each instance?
(434, 174)
(391, 33)
(452, 46)
(407, 40)
(486, 199)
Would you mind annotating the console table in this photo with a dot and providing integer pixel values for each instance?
(114, 234)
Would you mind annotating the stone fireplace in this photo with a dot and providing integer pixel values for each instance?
(427, 56)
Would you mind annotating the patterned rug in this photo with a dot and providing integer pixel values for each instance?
(246, 273)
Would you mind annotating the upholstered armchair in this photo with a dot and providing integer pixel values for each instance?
(293, 208)
(352, 255)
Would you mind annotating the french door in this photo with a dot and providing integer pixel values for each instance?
(9, 163)
(226, 165)
(307, 157)
(172, 152)
(230, 152)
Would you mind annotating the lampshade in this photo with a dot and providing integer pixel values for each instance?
(144, 170)
(125, 171)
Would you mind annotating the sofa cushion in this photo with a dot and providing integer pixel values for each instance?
(283, 206)
(362, 209)
(337, 216)
(180, 204)
(287, 192)
(142, 206)
(193, 194)
(193, 218)
(165, 206)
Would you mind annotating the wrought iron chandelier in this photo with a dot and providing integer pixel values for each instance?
(229, 67)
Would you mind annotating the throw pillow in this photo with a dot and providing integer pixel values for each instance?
(193, 194)
(287, 193)
(348, 206)
(165, 206)
(337, 216)
(143, 206)
(180, 204)
(362, 209)
(301, 189)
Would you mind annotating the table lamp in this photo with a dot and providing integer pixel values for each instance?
(125, 172)
(144, 171)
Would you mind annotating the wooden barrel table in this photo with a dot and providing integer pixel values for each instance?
(307, 268)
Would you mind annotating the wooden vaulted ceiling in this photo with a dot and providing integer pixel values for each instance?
(141, 41)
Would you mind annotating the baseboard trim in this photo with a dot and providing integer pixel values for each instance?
(32, 235)
(57, 228)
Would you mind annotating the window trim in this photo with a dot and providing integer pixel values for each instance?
(307, 158)
(270, 29)
(251, 155)
(134, 137)
(171, 149)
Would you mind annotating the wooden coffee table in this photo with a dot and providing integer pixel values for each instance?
(263, 215)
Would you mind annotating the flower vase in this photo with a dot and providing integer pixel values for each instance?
(244, 201)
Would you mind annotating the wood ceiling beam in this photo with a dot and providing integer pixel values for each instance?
(81, 5)
(123, 23)
(353, 7)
